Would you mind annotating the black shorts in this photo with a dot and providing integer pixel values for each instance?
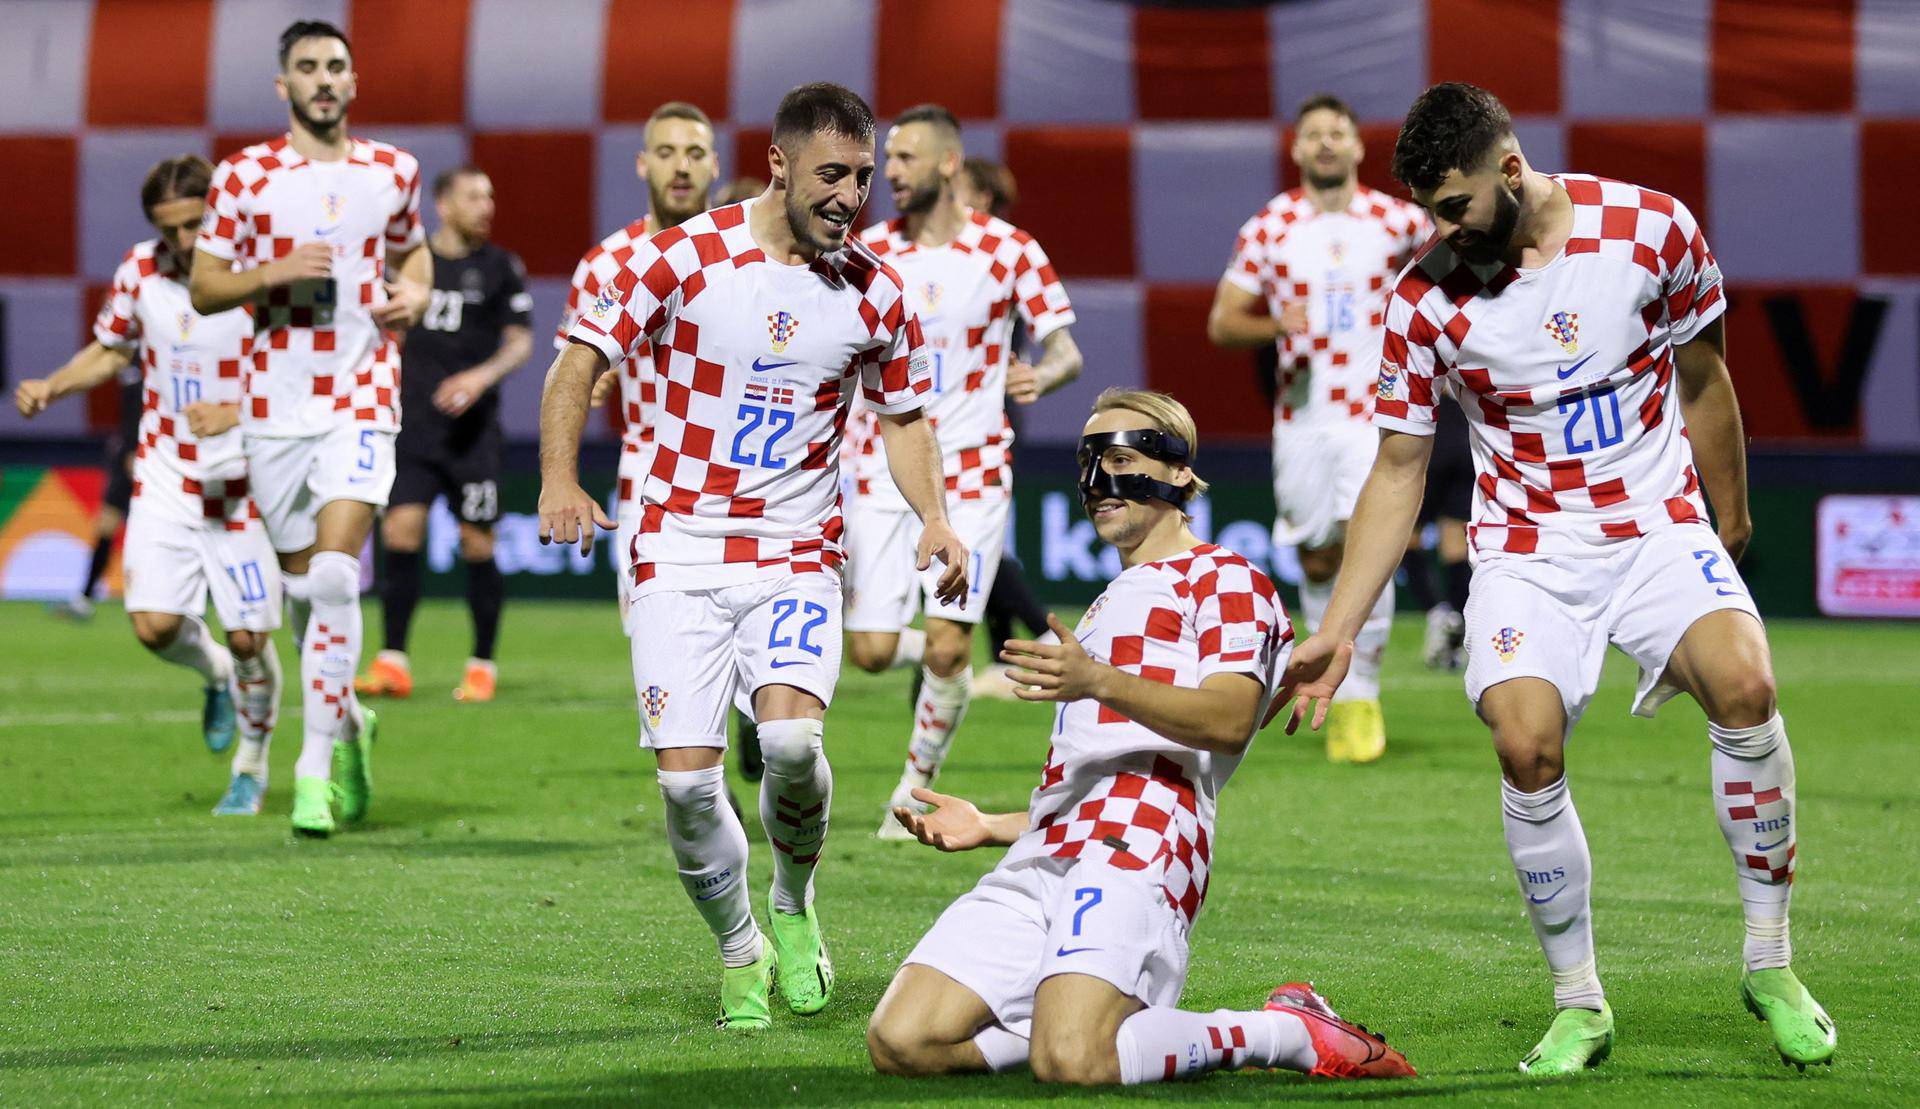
(468, 475)
(1450, 470)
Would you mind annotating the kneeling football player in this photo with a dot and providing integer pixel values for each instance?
(1072, 952)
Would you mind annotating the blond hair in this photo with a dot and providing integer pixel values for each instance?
(1166, 413)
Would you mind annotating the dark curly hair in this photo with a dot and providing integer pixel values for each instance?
(1451, 126)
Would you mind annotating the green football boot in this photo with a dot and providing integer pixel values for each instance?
(312, 807)
(1802, 1030)
(744, 991)
(806, 972)
(1578, 1038)
(353, 769)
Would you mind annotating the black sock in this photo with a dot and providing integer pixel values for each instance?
(1020, 599)
(398, 596)
(97, 567)
(1419, 571)
(999, 612)
(1459, 577)
(486, 590)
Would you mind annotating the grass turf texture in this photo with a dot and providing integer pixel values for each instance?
(508, 926)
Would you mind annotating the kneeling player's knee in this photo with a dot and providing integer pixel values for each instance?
(1074, 1059)
(790, 747)
(333, 578)
(895, 1048)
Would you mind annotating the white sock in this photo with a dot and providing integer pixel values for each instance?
(1003, 1050)
(1549, 851)
(258, 682)
(1315, 596)
(299, 605)
(937, 715)
(196, 649)
(1753, 800)
(909, 649)
(1159, 1043)
(1369, 649)
(329, 659)
(710, 847)
(796, 797)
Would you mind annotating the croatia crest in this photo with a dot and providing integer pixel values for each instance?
(653, 702)
(780, 329)
(1388, 385)
(930, 292)
(334, 206)
(1565, 329)
(1506, 643)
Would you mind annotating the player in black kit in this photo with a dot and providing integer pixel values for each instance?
(476, 331)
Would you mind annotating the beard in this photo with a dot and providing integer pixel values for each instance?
(318, 126)
(921, 198)
(800, 221)
(1327, 181)
(1487, 247)
(663, 205)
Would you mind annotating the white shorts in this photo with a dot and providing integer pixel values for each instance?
(293, 478)
(1552, 617)
(883, 588)
(1025, 923)
(172, 566)
(1317, 475)
(694, 653)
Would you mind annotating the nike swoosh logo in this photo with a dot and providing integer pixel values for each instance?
(1063, 952)
(1758, 846)
(776, 664)
(1575, 368)
(708, 896)
(760, 367)
(1547, 898)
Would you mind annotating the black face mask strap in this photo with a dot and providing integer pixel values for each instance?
(1097, 483)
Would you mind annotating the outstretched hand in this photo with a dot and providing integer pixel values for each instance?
(1060, 671)
(954, 824)
(1314, 672)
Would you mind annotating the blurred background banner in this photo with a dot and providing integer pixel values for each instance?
(1141, 137)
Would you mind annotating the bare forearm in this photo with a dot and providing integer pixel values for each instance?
(1060, 361)
(1241, 330)
(1376, 537)
(1004, 827)
(92, 367)
(913, 459)
(217, 287)
(1209, 718)
(516, 343)
(1719, 446)
(563, 412)
(415, 265)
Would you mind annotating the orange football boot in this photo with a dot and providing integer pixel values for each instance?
(479, 681)
(1342, 1049)
(387, 676)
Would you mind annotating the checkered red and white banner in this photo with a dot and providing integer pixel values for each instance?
(1141, 137)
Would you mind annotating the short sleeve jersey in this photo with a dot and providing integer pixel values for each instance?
(319, 358)
(757, 363)
(968, 294)
(184, 358)
(1565, 372)
(595, 271)
(1341, 264)
(1112, 790)
(475, 298)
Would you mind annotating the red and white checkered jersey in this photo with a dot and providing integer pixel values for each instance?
(757, 362)
(967, 293)
(318, 357)
(1114, 791)
(1341, 264)
(1565, 372)
(184, 358)
(596, 269)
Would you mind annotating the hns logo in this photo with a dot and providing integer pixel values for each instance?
(1388, 386)
(654, 703)
(334, 205)
(1565, 329)
(1337, 252)
(769, 394)
(1506, 643)
(780, 329)
(1093, 610)
(930, 293)
(186, 325)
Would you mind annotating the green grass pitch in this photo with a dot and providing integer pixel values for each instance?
(508, 929)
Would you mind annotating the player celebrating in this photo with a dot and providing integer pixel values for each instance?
(191, 529)
(764, 318)
(967, 273)
(477, 330)
(305, 228)
(1073, 951)
(1321, 258)
(1579, 320)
